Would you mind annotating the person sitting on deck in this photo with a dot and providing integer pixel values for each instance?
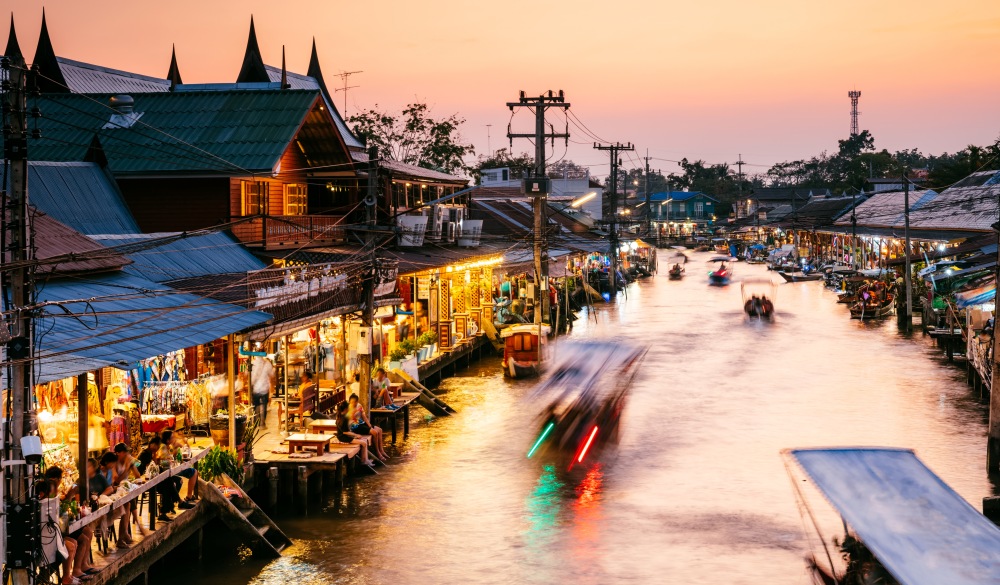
(172, 443)
(345, 435)
(82, 566)
(124, 468)
(108, 464)
(362, 426)
(56, 549)
(380, 390)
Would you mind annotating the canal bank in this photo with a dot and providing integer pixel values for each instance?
(697, 475)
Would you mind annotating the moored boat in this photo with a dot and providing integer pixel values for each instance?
(524, 349)
(901, 523)
(799, 276)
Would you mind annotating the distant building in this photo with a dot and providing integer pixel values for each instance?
(775, 197)
(564, 188)
(893, 184)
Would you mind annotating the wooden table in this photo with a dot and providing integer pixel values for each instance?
(320, 427)
(403, 402)
(304, 441)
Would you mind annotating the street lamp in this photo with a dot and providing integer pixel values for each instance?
(583, 199)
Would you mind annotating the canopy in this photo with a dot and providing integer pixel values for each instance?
(758, 247)
(118, 319)
(915, 524)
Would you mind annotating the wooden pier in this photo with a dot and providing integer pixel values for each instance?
(448, 363)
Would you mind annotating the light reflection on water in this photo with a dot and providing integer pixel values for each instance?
(696, 492)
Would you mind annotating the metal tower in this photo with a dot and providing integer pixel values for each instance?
(854, 95)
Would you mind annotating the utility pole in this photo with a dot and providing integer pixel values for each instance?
(854, 232)
(368, 313)
(739, 164)
(908, 277)
(18, 294)
(614, 150)
(649, 211)
(539, 105)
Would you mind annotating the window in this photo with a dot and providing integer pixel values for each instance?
(252, 197)
(506, 175)
(296, 199)
(699, 209)
(677, 208)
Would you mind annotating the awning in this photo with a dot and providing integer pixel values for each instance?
(118, 319)
(916, 525)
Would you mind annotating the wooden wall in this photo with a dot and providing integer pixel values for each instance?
(176, 204)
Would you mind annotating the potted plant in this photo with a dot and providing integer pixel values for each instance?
(220, 460)
(427, 341)
(218, 424)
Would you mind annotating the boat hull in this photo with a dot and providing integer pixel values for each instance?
(800, 277)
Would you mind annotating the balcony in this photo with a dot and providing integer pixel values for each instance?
(286, 231)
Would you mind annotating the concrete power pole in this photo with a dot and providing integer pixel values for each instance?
(368, 314)
(540, 189)
(908, 277)
(17, 333)
(614, 150)
(649, 210)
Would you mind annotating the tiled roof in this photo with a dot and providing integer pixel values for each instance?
(227, 132)
(80, 195)
(87, 78)
(403, 170)
(885, 208)
(169, 259)
(971, 204)
(786, 193)
(822, 211)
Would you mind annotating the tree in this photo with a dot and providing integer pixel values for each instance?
(415, 138)
(566, 169)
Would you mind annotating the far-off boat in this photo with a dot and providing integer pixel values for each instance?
(524, 349)
(876, 301)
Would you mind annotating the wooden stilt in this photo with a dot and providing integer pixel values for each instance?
(273, 479)
(303, 485)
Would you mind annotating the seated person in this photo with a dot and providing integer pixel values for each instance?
(379, 389)
(172, 444)
(124, 468)
(82, 566)
(362, 426)
(346, 435)
(55, 548)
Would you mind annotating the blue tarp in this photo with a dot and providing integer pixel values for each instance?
(119, 319)
(916, 525)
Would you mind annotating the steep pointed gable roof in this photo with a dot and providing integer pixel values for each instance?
(174, 73)
(316, 72)
(253, 70)
(13, 50)
(50, 77)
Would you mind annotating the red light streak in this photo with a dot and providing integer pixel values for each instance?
(586, 446)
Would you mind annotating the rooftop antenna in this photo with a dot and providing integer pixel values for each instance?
(343, 75)
(489, 147)
(854, 95)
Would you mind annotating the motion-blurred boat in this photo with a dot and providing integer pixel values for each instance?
(586, 394)
(758, 297)
(722, 274)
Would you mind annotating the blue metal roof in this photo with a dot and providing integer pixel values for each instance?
(677, 196)
(80, 195)
(120, 319)
(191, 256)
(916, 525)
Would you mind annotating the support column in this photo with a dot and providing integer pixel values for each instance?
(83, 432)
(231, 374)
(445, 340)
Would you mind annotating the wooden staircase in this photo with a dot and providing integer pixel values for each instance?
(493, 335)
(240, 514)
(427, 399)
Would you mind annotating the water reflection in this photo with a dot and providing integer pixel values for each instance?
(696, 492)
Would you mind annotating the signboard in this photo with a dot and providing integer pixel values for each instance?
(423, 287)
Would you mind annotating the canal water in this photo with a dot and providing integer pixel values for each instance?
(697, 492)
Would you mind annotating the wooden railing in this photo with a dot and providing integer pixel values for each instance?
(272, 232)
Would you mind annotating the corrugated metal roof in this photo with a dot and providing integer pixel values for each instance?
(218, 131)
(299, 81)
(53, 239)
(676, 196)
(88, 78)
(121, 319)
(80, 195)
(403, 170)
(187, 257)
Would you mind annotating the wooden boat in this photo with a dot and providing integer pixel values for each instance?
(676, 272)
(758, 295)
(800, 276)
(524, 349)
(901, 523)
(722, 274)
(875, 301)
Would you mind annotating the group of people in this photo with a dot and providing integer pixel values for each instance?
(353, 424)
(104, 476)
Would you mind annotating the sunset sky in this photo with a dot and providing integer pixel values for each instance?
(709, 79)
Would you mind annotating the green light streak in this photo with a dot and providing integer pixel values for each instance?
(545, 433)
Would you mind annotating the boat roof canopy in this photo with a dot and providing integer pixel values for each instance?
(919, 528)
